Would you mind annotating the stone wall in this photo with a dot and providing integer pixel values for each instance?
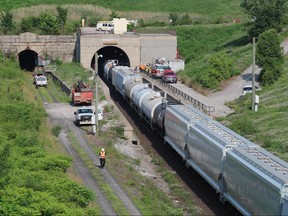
(61, 47)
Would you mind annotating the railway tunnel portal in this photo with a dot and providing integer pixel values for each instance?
(129, 48)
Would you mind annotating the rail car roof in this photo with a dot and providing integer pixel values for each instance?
(244, 150)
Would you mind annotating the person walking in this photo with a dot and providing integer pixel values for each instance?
(102, 156)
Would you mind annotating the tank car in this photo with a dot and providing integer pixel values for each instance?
(243, 173)
(108, 69)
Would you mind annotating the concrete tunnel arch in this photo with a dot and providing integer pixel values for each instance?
(28, 59)
(108, 53)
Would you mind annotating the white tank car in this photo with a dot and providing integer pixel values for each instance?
(135, 91)
(245, 174)
(130, 85)
(149, 104)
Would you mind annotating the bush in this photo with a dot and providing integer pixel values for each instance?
(56, 130)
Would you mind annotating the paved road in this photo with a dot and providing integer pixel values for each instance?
(231, 92)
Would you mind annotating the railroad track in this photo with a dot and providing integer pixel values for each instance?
(201, 192)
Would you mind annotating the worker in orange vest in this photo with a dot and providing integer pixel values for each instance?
(102, 156)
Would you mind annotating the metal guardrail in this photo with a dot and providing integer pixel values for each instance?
(175, 91)
(50, 69)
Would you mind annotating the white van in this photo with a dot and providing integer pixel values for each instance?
(104, 26)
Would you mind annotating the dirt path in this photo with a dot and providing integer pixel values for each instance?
(62, 114)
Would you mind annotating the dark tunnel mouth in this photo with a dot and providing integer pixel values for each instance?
(28, 60)
(109, 53)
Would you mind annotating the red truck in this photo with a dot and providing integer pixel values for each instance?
(158, 70)
(169, 76)
(81, 94)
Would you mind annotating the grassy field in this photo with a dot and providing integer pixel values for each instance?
(208, 8)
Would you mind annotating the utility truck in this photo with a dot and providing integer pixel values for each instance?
(81, 93)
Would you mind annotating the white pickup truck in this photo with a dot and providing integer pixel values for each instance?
(40, 81)
(83, 116)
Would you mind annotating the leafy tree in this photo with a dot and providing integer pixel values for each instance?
(29, 24)
(49, 24)
(265, 14)
(62, 16)
(269, 56)
(6, 20)
(220, 67)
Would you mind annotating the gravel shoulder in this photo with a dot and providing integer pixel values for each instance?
(62, 114)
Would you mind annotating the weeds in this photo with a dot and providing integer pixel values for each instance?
(56, 130)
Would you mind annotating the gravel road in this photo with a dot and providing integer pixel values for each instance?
(62, 114)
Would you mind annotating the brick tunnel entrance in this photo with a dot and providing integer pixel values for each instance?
(28, 59)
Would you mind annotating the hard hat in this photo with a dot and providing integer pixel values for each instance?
(102, 149)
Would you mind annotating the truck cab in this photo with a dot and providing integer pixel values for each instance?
(83, 116)
(86, 116)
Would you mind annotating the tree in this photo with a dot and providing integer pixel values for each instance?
(269, 56)
(29, 24)
(62, 16)
(265, 14)
(6, 20)
(219, 69)
(49, 24)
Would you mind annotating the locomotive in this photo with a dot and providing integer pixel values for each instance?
(253, 180)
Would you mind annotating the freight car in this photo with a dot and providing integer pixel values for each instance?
(243, 173)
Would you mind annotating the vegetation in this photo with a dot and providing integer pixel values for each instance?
(269, 57)
(33, 179)
(268, 126)
(265, 15)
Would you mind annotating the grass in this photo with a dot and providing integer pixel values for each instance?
(268, 126)
(213, 9)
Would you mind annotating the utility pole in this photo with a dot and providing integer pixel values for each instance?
(253, 76)
(95, 126)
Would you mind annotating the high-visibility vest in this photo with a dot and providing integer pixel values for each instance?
(102, 154)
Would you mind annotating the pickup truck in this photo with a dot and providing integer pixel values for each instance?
(86, 116)
(40, 80)
(83, 116)
(169, 76)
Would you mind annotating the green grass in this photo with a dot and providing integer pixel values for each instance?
(268, 126)
(209, 8)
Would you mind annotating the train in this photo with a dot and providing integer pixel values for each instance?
(243, 173)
